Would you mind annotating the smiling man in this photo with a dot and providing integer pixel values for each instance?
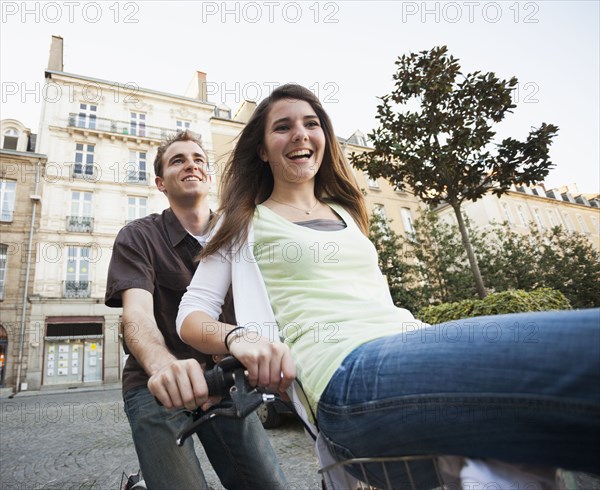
(153, 261)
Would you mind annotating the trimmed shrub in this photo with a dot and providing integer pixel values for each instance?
(512, 301)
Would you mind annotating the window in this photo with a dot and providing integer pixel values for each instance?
(3, 258)
(583, 224)
(379, 210)
(84, 161)
(408, 222)
(77, 284)
(7, 199)
(80, 219)
(87, 116)
(538, 219)
(223, 112)
(183, 125)
(136, 207)
(507, 213)
(552, 218)
(137, 124)
(521, 212)
(81, 203)
(568, 222)
(136, 168)
(372, 183)
(11, 138)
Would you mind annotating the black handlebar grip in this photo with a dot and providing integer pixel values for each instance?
(213, 382)
(220, 378)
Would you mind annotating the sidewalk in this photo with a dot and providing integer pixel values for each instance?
(60, 389)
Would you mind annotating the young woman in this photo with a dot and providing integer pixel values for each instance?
(292, 242)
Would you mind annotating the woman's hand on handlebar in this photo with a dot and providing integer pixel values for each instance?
(269, 364)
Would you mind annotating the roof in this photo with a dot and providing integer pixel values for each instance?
(128, 87)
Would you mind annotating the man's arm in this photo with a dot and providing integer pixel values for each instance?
(176, 383)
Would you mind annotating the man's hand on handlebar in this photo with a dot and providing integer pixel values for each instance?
(180, 384)
(269, 364)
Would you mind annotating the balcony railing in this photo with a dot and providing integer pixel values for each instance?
(80, 224)
(126, 128)
(77, 289)
(137, 177)
(87, 171)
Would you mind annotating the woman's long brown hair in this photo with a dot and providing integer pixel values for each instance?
(247, 181)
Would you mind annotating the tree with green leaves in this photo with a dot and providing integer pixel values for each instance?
(388, 245)
(442, 148)
(512, 260)
(571, 266)
(557, 259)
(438, 265)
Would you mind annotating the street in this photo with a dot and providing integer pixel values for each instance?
(81, 440)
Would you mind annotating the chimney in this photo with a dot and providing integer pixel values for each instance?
(55, 61)
(201, 85)
(197, 87)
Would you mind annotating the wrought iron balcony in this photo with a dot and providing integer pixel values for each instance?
(137, 177)
(81, 224)
(123, 128)
(87, 171)
(77, 289)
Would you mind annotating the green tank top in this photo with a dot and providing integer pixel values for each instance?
(327, 293)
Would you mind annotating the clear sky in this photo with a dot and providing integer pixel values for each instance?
(344, 50)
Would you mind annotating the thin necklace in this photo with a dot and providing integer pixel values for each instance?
(307, 211)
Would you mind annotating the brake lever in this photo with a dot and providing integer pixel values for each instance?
(244, 403)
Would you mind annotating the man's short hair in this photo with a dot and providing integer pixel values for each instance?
(185, 135)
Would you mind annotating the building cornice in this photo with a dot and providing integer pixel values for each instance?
(541, 199)
(226, 122)
(207, 104)
(26, 154)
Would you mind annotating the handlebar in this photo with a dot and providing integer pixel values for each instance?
(227, 379)
(221, 377)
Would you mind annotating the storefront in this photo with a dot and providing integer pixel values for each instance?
(73, 350)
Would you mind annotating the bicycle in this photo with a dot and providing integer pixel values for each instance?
(228, 379)
(134, 481)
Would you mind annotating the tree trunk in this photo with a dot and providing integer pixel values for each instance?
(481, 292)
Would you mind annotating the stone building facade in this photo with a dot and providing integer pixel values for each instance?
(100, 138)
(21, 174)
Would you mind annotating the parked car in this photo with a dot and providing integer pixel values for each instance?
(271, 414)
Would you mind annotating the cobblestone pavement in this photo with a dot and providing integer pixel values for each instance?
(81, 440)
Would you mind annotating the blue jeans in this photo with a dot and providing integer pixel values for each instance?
(239, 450)
(521, 388)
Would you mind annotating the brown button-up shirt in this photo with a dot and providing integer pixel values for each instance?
(157, 254)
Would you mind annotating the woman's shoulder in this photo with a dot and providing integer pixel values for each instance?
(338, 208)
